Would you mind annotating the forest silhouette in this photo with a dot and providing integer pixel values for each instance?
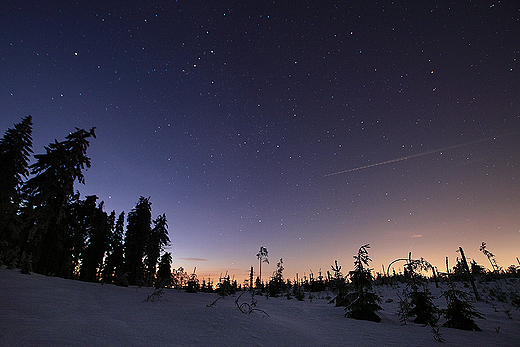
(46, 227)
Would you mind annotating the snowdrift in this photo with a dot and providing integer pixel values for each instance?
(36, 310)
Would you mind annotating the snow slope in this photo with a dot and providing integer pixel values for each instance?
(36, 310)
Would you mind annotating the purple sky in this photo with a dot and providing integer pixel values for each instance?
(230, 117)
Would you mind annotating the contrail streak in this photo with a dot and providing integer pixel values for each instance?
(416, 155)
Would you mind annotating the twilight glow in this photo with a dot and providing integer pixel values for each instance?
(308, 128)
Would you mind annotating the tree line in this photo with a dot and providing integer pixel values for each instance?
(46, 227)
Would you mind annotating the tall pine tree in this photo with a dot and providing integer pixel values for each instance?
(156, 242)
(164, 273)
(114, 262)
(49, 193)
(138, 232)
(15, 149)
(79, 222)
(98, 238)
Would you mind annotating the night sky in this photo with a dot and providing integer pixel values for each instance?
(232, 116)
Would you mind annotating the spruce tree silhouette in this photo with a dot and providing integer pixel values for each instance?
(114, 263)
(48, 194)
(164, 273)
(15, 149)
(156, 241)
(138, 232)
(362, 302)
(98, 238)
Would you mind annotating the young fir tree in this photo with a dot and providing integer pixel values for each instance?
(277, 284)
(421, 304)
(48, 195)
(460, 313)
(362, 302)
(423, 308)
(339, 286)
(15, 149)
(490, 256)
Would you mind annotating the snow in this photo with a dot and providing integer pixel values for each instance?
(36, 310)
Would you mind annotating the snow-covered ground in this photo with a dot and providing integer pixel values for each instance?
(36, 310)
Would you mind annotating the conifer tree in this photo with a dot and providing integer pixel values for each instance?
(263, 257)
(490, 256)
(421, 300)
(98, 237)
(15, 149)
(48, 194)
(156, 241)
(78, 222)
(138, 232)
(460, 313)
(362, 302)
(277, 284)
(423, 308)
(164, 273)
(339, 287)
(114, 264)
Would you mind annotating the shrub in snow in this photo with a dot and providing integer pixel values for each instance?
(362, 303)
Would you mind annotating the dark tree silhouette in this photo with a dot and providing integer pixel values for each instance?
(263, 257)
(114, 264)
(490, 256)
(98, 238)
(164, 273)
(362, 302)
(156, 241)
(421, 300)
(277, 284)
(79, 221)
(460, 313)
(48, 195)
(423, 308)
(137, 237)
(338, 285)
(15, 149)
